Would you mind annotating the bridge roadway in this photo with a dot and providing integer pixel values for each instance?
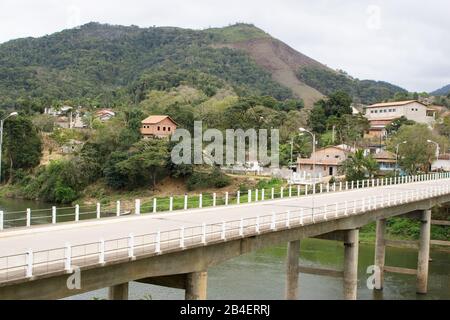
(335, 205)
(39, 238)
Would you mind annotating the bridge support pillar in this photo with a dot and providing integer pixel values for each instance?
(424, 252)
(351, 264)
(118, 292)
(293, 254)
(380, 252)
(196, 284)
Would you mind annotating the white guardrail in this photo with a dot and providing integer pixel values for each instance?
(67, 258)
(53, 215)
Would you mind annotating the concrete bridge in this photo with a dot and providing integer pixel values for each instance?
(176, 249)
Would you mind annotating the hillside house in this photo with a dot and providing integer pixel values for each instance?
(328, 161)
(105, 114)
(382, 114)
(386, 160)
(158, 126)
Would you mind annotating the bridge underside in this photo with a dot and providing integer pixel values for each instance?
(187, 269)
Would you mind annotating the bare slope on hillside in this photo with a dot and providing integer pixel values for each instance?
(282, 62)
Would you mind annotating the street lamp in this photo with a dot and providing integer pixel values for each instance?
(396, 155)
(303, 130)
(12, 114)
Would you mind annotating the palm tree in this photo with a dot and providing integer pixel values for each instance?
(358, 166)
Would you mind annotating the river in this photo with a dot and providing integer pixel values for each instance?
(260, 275)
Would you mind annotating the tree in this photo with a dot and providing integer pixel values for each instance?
(22, 145)
(417, 154)
(147, 159)
(359, 167)
(396, 124)
(337, 105)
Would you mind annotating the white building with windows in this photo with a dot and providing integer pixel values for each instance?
(382, 114)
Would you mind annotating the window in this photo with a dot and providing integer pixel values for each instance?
(168, 129)
(159, 128)
(164, 128)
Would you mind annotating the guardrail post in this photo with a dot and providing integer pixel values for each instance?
(137, 206)
(1, 220)
(340, 185)
(357, 184)
(158, 242)
(328, 187)
(298, 190)
(214, 199)
(171, 203)
(68, 258)
(185, 202)
(256, 195)
(28, 217)
(320, 188)
(77, 212)
(262, 194)
(353, 183)
(98, 210)
(257, 225)
(131, 246)
(273, 223)
(249, 196)
(118, 208)
(53, 215)
(238, 200)
(241, 227)
(306, 189)
(200, 200)
(154, 205)
(182, 237)
(203, 233)
(281, 192)
(273, 193)
(224, 229)
(226, 198)
(290, 191)
(334, 186)
(101, 256)
(29, 261)
(288, 219)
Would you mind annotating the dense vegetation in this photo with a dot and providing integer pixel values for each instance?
(362, 91)
(113, 65)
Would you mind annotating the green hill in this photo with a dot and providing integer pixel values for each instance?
(444, 91)
(106, 65)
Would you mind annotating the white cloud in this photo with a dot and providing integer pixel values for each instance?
(403, 42)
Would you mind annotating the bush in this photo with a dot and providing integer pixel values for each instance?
(65, 194)
(201, 180)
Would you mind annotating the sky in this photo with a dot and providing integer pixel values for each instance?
(402, 42)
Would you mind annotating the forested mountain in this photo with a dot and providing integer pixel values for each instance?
(98, 64)
(444, 91)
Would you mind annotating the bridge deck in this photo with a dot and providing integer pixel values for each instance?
(48, 243)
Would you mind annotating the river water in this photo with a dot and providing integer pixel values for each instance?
(260, 275)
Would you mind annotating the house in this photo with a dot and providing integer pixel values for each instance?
(327, 160)
(160, 126)
(382, 114)
(442, 163)
(105, 114)
(386, 160)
